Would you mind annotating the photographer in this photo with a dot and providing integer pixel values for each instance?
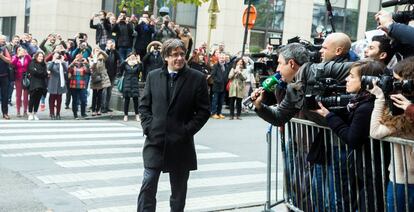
(4, 76)
(353, 129)
(112, 69)
(124, 31)
(103, 28)
(166, 30)
(152, 60)
(144, 29)
(401, 33)
(57, 70)
(48, 44)
(186, 37)
(84, 49)
(384, 124)
(13, 45)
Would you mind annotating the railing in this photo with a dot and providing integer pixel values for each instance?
(342, 179)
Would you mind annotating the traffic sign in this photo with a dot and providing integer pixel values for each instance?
(252, 17)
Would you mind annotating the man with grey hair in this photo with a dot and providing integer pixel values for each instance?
(174, 107)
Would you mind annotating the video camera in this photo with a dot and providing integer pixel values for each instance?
(329, 92)
(390, 86)
(313, 49)
(402, 17)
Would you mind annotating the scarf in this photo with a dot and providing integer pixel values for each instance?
(361, 97)
(62, 75)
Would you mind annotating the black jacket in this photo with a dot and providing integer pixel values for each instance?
(130, 84)
(404, 37)
(124, 33)
(220, 78)
(38, 75)
(170, 125)
(112, 63)
(100, 28)
(151, 62)
(144, 35)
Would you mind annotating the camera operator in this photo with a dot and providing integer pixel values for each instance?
(152, 60)
(383, 124)
(401, 33)
(353, 129)
(144, 29)
(292, 65)
(5, 60)
(124, 32)
(103, 28)
(166, 30)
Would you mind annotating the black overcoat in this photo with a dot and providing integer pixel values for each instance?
(170, 125)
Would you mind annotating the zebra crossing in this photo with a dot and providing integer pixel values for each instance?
(99, 163)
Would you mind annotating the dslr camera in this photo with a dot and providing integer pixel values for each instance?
(329, 92)
(402, 17)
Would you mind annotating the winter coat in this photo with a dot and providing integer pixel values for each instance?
(20, 67)
(101, 28)
(130, 83)
(99, 71)
(112, 63)
(237, 84)
(124, 34)
(151, 62)
(144, 35)
(78, 76)
(38, 76)
(54, 79)
(220, 77)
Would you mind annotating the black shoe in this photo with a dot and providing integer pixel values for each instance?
(67, 107)
(57, 117)
(104, 111)
(52, 117)
(84, 115)
(10, 104)
(109, 110)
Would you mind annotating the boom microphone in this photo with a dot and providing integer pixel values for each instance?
(395, 2)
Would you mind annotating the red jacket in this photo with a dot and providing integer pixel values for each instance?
(20, 68)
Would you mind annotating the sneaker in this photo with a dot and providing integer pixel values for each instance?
(125, 118)
(30, 118)
(6, 117)
(93, 113)
(36, 118)
(98, 113)
(238, 118)
(42, 107)
(25, 114)
(221, 116)
(19, 115)
(215, 116)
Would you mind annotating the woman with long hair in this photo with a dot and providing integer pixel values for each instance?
(383, 124)
(38, 87)
(236, 90)
(21, 62)
(130, 69)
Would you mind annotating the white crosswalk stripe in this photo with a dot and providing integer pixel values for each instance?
(98, 161)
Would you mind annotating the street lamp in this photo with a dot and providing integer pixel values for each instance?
(213, 9)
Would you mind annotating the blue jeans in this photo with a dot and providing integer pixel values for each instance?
(323, 183)
(400, 192)
(217, 103)
(77, 95)
(123, 52)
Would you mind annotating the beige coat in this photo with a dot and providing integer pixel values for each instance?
(379, 131)
(237, 83)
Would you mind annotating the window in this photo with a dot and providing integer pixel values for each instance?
(8, 26)
(373, 8)
(345, 17)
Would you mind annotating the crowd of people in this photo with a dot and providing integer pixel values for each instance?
(127, 48)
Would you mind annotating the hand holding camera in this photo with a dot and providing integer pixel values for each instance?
(400, 101)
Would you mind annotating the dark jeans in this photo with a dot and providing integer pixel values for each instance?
(178, 182)
(126, 105)
(96, 100)
(4, 87)
(217, 103)
(123, 52)
(34, 100)
(238, 106)
(400, 192)
(11, 88)
(52, 99)
(106, 98)
(68, 94)
(78, 95)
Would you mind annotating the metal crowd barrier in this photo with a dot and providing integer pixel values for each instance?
(344, 179)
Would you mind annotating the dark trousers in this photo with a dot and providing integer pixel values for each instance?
(106, 98)
(217, 103)
(126, 105)
(123, 52)
(238, 106)
(78, 95)
(34, 100)
(68, 94)
(55, 98)
(178, 182)
(4, 87)
(11, 88)
(96, 100)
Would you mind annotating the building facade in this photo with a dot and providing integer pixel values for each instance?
(276, 18)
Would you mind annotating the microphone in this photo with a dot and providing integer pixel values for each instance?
(269, 85)
(395, 2)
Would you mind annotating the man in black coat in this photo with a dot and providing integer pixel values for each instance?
(175, 106)
(103, 29)
(111, 64)
(144, 30)
(124, 31)
(152, 60)
(220, 75)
